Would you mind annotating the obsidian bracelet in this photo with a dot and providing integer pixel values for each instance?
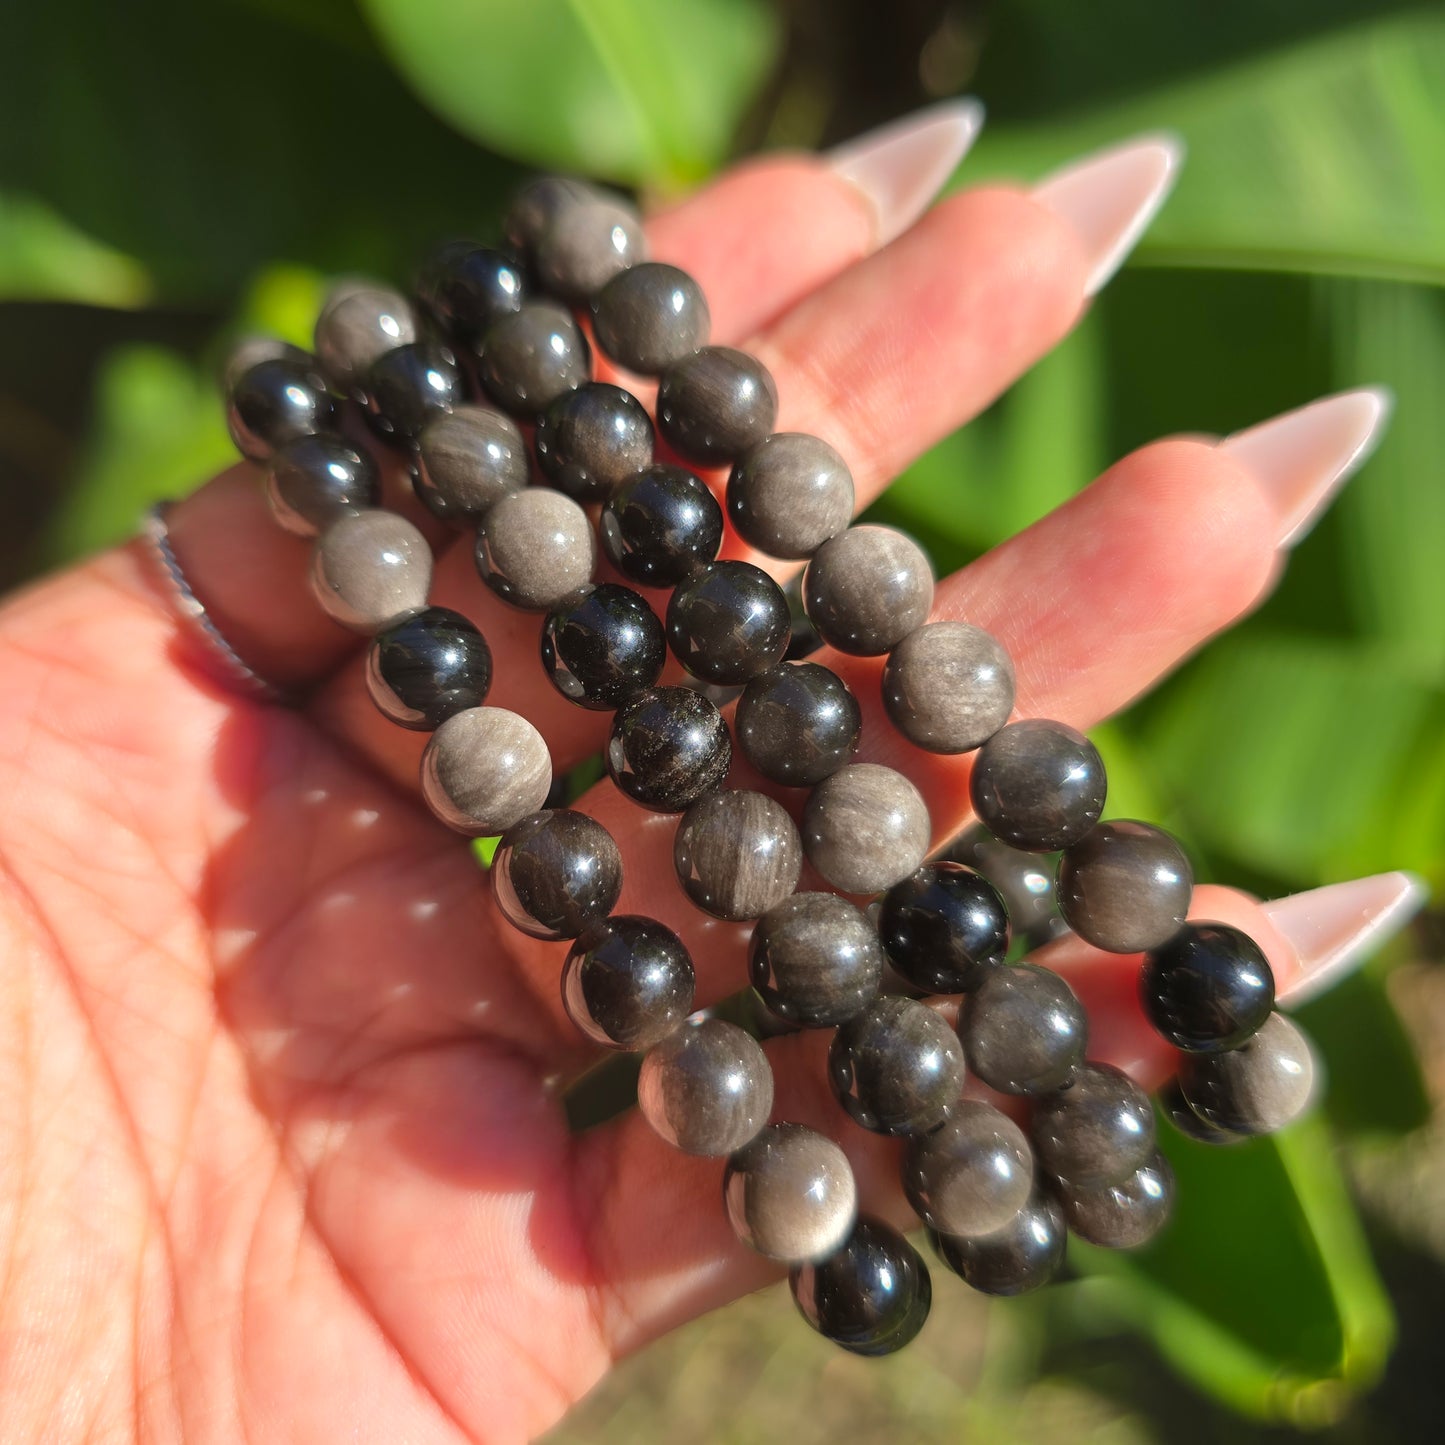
(492, 356)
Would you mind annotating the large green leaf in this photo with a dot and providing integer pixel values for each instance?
(44, 258)
(639, 90)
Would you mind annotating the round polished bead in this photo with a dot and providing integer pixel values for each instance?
(737, 854)
(627, 982)
(715, 404)
(1025, 1254)
(1023, 1029)
(536, 549)
(1096, 1130)
(1125, 887)
(582, 246)
(872, 1296)
(316, 479)
(1124, 1215)
(943, 928)
(660, 524)
(1208, 988)
(669, 747)
(867, 588)
(484, 770)
(467, 461)
(409, 385)
(972, 1174)
(1264, 1084)
(277, 400)
(790, 1195)
(649, 316)
(357, 324)
(533, 355)
(727, 622)
(897, 1067)
(538, 204)
(555, 873)
(467, 287)
(789, 494)
(706, 1088)
(1038, 785)
(424, 668)
(865, 828)
(1176, 1109)
(602, 646)
(949, 686)
(815, 960)
(369, 568)
(589, 441)
(798, 723)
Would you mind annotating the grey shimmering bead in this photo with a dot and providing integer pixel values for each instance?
(538, 204)
(715, 404)
(789, 494)
(467, 461)
(972, 1174)
(1264, 1084)
(1023, 1029)
(790, 1194)
(368, 568)
(313, 480)
(357, 324)
(536, 548)
(248, 351)
(897, 1068)
(949, 686)
(589, 441)
(1096, 1130)
(737, 854)
(815, 960)
(867, 588)
(1123, 1215)
(1038, 785)
(649, 316)
(1125, 887)
(865, 828)
(706, 1089)
(585, 243)
(484, 770)
(530, 357)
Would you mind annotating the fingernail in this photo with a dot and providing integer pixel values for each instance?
(900, 167)
(1333, 930)
(1304, 457)
(1110, 197)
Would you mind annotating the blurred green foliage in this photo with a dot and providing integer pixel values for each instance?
(157, 160)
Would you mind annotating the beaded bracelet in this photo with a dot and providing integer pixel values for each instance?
(998, 1202)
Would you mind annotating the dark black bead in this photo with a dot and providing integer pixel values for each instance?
(466, 287)
(1015, 1259)
(727, 622)
(669, 746)
(872, 1296)
(1096, 1130)
(627, 982)
(589, 441)
(311, 481)
(530, 357)
(277, 400)
(1175, 1108)
(660, 524)
(556, 872)
(424, 668)
(944, 927)
(649, 316)
(715, 404)
(798, 723)
(897, 1067)
(1038, 785)
(1208, 989)
(603, 646)
(409, 385)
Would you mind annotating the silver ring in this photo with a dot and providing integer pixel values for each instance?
(228, 667)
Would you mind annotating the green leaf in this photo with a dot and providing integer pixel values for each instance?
(44, 258)
(637, 90)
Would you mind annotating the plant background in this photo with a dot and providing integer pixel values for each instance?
(172, 173)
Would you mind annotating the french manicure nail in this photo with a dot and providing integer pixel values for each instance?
(1304, 457)
(1110, 197)
(902, 166)
(1334, 929)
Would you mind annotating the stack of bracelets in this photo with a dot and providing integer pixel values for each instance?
(493, 345)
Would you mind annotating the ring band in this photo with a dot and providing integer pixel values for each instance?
(226, 665)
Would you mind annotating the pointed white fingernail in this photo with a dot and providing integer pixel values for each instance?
(1305, 456)
(1335, 929)
(1110, 197)
(900, 167)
